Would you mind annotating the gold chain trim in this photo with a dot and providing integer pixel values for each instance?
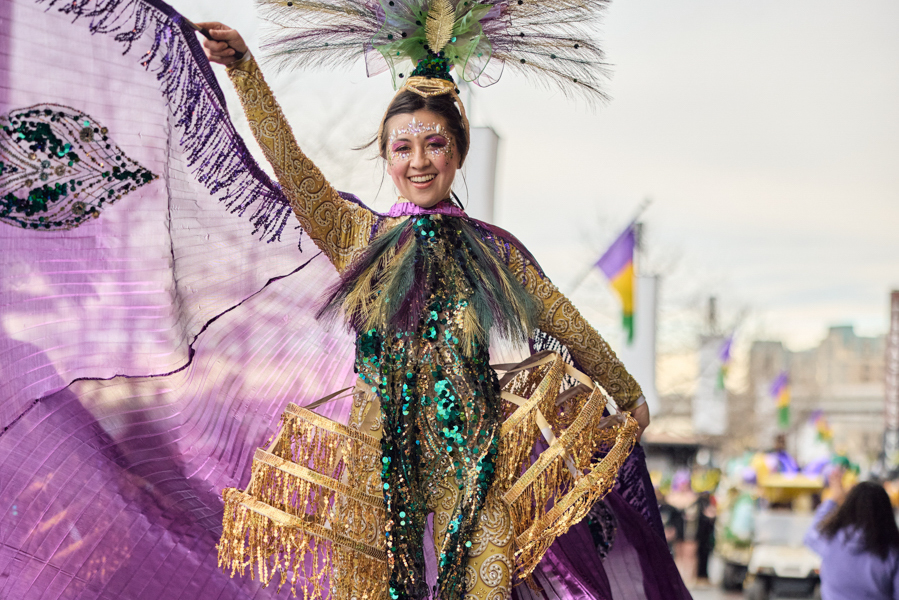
(298, 412)
(288, 520)
(324, 481)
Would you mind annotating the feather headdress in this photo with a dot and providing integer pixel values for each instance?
(547, 40)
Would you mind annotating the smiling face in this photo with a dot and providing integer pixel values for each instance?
(421, 157)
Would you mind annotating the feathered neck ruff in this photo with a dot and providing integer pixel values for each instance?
(391, 285)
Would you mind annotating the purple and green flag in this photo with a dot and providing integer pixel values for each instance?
(618, 265)
(725, 357)
(822, 426)
(780, 391)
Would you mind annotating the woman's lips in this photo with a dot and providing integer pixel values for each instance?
(422, 181)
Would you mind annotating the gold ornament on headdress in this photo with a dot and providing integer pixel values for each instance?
(440, 23)
(429, 86)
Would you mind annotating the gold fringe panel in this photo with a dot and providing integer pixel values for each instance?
(549, 499)
(520, 430)
(549, 495)
(314, 513)
(303, 517)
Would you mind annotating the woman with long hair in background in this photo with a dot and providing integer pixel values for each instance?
(856, 535)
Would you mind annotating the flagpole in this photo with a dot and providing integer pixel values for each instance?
(641, 209)
(582, 276)
(580, 279)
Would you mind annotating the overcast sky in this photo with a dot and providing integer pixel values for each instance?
(766, 133)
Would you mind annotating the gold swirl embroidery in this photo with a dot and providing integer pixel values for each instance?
(471, 578)
(339, 227)
(562, 320)
(442, 503)
(495, 570)
(494, 527)
(491, 548)
(500, 593)
(365, 417)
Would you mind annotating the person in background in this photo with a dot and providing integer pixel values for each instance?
(672, 521)
(705, 535)
(857, 538)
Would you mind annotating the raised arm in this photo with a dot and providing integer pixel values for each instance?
(560, 319)
(813, 538)
(341, 228)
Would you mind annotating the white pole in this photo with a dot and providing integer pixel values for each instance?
(639, 357)
(477, 188)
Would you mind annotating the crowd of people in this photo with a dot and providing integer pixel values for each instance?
(689, 519)
(849, 519)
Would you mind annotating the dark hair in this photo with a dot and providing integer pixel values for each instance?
(408, 102)
(866, 508)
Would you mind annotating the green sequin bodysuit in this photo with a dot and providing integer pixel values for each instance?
(440, 410)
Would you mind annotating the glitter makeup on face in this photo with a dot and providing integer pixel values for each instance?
(445, 150)
(398, 152)
(399, 156)
(415, 128)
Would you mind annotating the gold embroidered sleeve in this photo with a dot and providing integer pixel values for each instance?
(339, 227)
(562, 320)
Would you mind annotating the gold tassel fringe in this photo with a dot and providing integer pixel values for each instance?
(549, 498)
(298, 519)
(314, 513)
(520, 431)
(546, 497)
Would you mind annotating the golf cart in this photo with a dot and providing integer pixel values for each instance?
(779, 563)
(733, 535)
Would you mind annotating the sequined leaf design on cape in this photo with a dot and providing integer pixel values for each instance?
(59, 168)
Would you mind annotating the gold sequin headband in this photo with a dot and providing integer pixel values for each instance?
(427, 87)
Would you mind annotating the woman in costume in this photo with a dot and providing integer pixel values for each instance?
(423, 287)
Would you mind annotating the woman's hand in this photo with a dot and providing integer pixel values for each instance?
(835, 484)
(641, 414)
(225, 44)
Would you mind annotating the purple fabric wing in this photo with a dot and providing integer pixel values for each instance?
(640, 564)
(73, 299)
(112, 488)
(149, 335)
